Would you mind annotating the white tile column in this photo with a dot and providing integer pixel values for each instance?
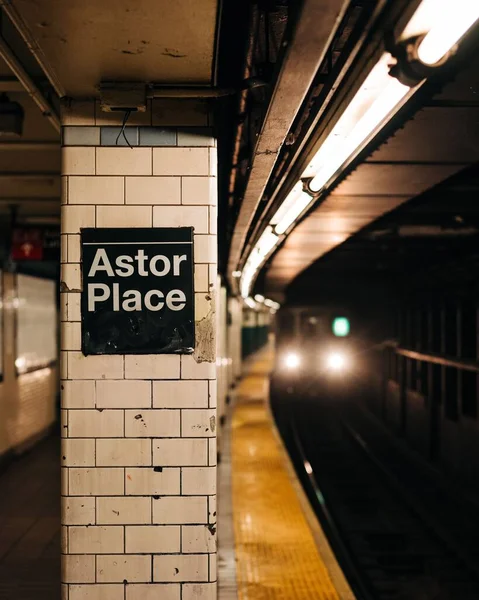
(139, 431)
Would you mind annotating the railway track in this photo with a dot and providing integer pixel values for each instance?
(389, 547)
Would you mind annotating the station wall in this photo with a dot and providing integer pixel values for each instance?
(29, 349)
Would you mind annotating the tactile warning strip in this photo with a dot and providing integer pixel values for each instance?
(276, 555)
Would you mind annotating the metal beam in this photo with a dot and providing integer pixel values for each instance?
(17, 69)
(316, 25)
(10, 84)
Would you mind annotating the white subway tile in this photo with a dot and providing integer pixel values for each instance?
(199, 190)
(181, 216)
(102, 591)
(180, 452)
(78, 394)
(75, 218)
(213, 220)
(70, 277)
(73, 306)
(96, 190)
(123, 394)
(212, 513)
(78, 160)
(94, 367)
(198, 423)
(123, 511)
(198, 539)
(178, 510)
(190, 369)
(123, 452)
(151, 591)
(213, 160)
(206, 250)
(96, 540)
(78, 510)
(78, 568)
(197, 591)
(123, 161)
(123, 216)
(96, 482)
(152, 482)
(180, 161)
(73, 253)
(213, 569)
(152, 423)
(78, 453)
(213, 393)
(180, 568)
(180, 394)
(154, 539)
(153, 190)
(201, 278)
(152, 366)
(131, 568)
(197, 481)
(95, 423)
(212, 452)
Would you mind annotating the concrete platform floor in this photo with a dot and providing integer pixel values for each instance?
(30, 525)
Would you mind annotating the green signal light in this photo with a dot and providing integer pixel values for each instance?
(341, 327)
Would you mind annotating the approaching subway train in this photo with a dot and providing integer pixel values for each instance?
(316, 348)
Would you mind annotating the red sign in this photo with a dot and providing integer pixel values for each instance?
(27, 244)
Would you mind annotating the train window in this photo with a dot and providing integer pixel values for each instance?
(36, 323)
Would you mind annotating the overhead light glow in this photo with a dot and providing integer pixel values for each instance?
(259, 298)
(301, 203)
(336, 361)
(373, 102)
(250, 302)
(292, 360)
(236, 274)
(452, 21)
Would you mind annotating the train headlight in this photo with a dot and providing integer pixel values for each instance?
(336, 362)
(292, 360)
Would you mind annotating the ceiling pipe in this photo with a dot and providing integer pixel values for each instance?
(27, 82)
(33, 45)
(10, 84)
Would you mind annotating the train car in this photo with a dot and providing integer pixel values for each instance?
(317, 348)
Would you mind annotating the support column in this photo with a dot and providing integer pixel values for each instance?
(139, 431)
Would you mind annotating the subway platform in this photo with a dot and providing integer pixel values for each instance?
(279, 551)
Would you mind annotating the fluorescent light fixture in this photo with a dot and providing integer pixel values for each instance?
(444, 23)
(373, 102)
(250, 302)
(259, 298)
(236, 274)
(452, 21)
(302, 202)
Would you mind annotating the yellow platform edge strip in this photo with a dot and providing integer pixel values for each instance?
(277, 555)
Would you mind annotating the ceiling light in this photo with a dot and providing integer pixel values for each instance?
(442, 23)
(259, 298)
(236, 274)
(371, 105)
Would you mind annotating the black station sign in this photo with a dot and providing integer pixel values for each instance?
(138, 295)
